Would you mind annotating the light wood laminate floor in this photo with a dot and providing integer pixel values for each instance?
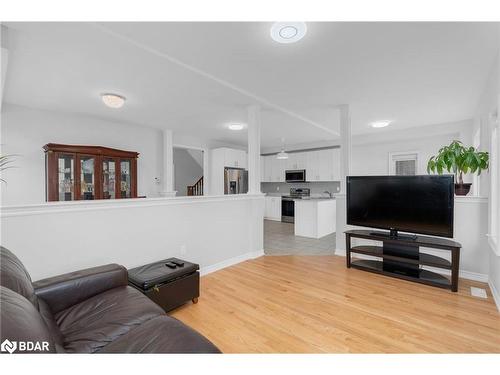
(313, 304)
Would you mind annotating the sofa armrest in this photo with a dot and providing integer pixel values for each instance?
(63, 291)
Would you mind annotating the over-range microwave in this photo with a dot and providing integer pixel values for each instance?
(298, 175)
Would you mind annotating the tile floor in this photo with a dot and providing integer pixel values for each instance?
(279, 239)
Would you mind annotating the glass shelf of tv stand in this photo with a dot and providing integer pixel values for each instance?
(411, 266)
(425, 259)
(424, 277)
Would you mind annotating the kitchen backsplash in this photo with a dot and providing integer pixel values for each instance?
(284, 188)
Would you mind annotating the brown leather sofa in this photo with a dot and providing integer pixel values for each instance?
(88, 311)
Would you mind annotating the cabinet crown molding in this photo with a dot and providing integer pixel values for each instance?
(93, 150)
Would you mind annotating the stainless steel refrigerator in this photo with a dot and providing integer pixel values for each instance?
(235, 181)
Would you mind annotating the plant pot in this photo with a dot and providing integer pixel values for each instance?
(462, 189)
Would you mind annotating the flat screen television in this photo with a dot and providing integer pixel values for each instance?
(414, 204)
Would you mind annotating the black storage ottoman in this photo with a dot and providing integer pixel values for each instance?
(167, 287)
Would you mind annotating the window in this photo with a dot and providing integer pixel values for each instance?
(403, 163)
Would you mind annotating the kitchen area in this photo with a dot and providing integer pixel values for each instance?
(300, 208)
(299, 188)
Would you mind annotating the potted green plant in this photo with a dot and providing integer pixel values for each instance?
(459, 159)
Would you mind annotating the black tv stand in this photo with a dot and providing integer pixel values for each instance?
(400, 257)
(394, 234)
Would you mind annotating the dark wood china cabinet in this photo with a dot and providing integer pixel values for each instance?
(89, 172)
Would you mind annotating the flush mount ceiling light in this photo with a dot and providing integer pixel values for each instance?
(236, 126)
(380, 124)
(282, 154)
(288, 32)
(113, 100)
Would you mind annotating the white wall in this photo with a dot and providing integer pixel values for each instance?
(187, 171)
(488, 104)
(24, 132)
(67, 236)
(370, 155)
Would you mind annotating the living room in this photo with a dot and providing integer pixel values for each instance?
(270, 194)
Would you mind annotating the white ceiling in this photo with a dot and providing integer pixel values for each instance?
(195, 77)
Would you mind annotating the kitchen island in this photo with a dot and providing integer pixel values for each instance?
(315, 218)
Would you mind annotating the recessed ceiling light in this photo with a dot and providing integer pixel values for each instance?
(288, 32)
(236, 126)
(380, 124)
(113, 100)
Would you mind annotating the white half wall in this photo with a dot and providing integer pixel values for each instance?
(63, 237)
(25, 131)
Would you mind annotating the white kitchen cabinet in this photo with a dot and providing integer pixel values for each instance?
(315, 218)
(272, 208)
(320, 165)
(274, 169)
(312, 166)
(268, 167)
(296, 160)
(279, 171)
(325, 165)
(335, 170)
(235, 158)
(221, 158)
(262, 169)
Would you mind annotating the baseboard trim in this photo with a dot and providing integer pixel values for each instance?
(481, 277)
(468, 275)
(231, 262)
(495, 294)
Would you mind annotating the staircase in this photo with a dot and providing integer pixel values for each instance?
(196, 189)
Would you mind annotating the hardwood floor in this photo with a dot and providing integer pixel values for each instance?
(313, 304)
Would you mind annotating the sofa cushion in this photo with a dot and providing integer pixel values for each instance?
(50, 322)
(92, 324)
(14, 276)
(21, 322)
(162, 334)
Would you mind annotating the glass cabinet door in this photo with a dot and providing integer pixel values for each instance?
(65, 173)
(87, 177)
(108, 179)
(125, 179)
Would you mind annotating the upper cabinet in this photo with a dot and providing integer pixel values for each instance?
(274, 169)
(221, 158)
(296, 160)
(89, 172)
(320, 165)
(234, 158)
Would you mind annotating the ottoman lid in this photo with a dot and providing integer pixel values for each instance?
(145, 277)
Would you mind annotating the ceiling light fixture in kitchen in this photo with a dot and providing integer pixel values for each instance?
(282, 154)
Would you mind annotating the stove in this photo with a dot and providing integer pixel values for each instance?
(288, 206)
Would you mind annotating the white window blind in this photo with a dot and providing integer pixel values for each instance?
(403, 163)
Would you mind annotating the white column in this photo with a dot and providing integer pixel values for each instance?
(345, 145)
(345, 168)
(254, 123)
(168, 164)
(4, 59)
